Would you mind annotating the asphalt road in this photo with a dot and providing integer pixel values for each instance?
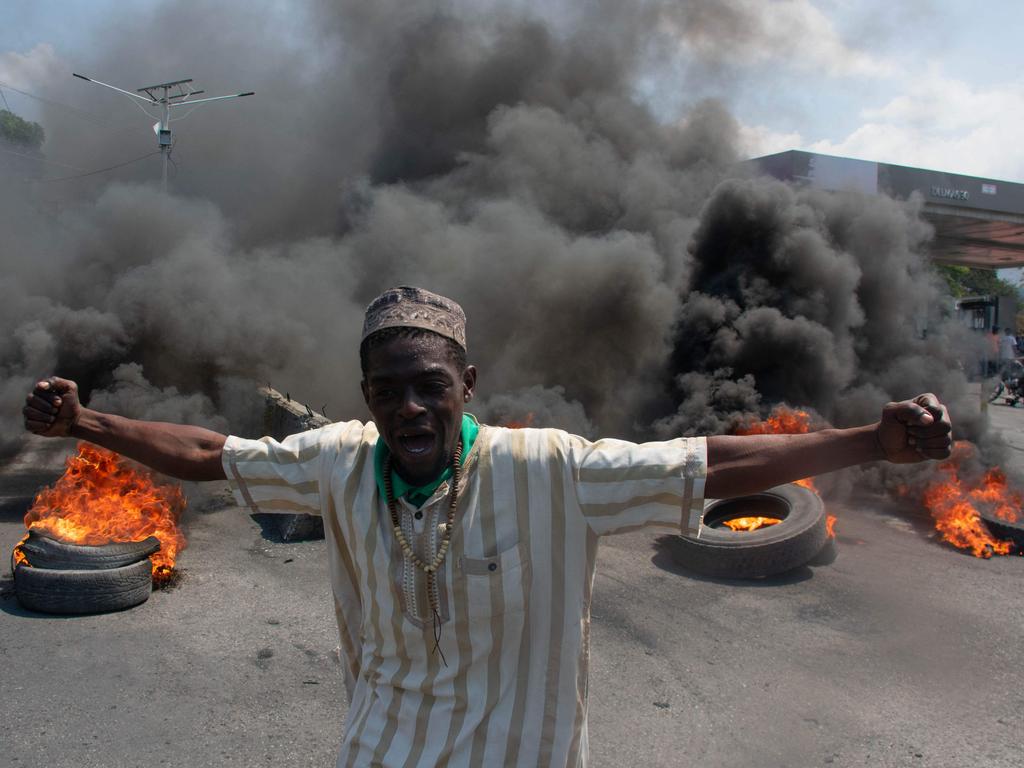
(890, 650)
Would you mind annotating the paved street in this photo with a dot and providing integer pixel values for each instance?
(890, 650)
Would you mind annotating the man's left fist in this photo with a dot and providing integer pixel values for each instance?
(915, 430)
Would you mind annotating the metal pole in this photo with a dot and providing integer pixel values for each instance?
(165, 151)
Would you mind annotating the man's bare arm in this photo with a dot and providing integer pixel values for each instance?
(909, 431)
(178, 450)
(739, 465)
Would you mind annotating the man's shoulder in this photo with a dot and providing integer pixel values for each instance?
(346, 433)
(526, 442)
(335, 436)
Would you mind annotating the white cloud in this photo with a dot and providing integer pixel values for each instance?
(757, 140)
(790, 33)
(39, 66)
(945, 124)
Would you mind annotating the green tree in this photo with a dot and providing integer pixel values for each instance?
(23, 133)
(965, 281)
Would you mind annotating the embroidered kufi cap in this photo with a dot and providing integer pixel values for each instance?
(410, 307)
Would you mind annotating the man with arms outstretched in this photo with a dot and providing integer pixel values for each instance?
(462, 556)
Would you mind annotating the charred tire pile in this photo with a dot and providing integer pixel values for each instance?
(728, 554)
(75, 579)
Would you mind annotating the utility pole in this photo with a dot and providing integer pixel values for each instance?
(167, 96)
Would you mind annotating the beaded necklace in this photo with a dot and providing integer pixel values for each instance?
(430, 569)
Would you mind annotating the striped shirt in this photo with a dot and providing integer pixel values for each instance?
(514, 589)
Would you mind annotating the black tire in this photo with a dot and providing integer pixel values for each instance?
(77, 592)
(45, 552)
(1004, 530)
(727, 554)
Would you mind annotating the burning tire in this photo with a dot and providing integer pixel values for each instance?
(45, 552)
(1003, 529)
(83, 591)
(798, 536)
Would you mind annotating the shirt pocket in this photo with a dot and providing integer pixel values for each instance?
(497, 585)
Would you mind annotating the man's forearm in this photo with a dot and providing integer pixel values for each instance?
(178, 450)
(738, 465)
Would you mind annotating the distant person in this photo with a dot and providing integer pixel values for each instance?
(1007, 347)
(461, 555)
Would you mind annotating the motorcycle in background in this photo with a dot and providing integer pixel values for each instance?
(1008, 385)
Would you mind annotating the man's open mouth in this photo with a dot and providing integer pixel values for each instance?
(416, 444)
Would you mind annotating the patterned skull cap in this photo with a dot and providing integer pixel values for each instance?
(410, 307)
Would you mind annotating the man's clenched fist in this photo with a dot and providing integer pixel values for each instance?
(53, 408)
(915, 430)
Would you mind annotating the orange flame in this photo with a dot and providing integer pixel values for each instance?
(527, 422)
(19, 556)
(750, 523)
(101, 498)
(830, 526)
(955, 506)
(783, 420)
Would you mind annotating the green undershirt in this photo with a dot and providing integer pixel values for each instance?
(419, 495)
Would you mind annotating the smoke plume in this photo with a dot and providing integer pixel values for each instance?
(622, 275)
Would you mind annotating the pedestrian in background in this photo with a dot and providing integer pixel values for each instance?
(1007, 348)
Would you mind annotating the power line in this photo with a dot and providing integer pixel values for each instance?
(82, 113)
(4, 96)
(85, 115)
(176, 119)
(41, 159)
(147, 114)
(100, 170)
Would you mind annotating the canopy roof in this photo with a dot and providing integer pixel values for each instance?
(978, 222)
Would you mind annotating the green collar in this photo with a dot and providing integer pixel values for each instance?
(418, 496)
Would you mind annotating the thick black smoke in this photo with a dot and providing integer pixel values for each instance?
(821, 299)
(621, 275)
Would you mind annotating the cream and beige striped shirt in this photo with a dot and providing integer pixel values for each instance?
(514, 590)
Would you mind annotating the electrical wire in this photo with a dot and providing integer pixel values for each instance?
(41, 159)
(80, 112)
(100, 170)
(176, 119)
(4, 96)
(170, 156)
(151, 117)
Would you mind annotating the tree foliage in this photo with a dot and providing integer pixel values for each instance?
(965, 281)
(19, 131)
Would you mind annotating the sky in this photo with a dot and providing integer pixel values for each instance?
(922, 83)
(928, 84)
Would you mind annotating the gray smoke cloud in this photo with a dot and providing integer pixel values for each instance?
(622, 275)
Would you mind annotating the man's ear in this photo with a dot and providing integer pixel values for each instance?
(366, 392)
(468, 383)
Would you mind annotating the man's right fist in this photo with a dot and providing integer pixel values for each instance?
(53, 408)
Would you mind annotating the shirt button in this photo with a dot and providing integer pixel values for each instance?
(419, 514)
(492, 567)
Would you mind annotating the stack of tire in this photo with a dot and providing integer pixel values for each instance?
(78, 579)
